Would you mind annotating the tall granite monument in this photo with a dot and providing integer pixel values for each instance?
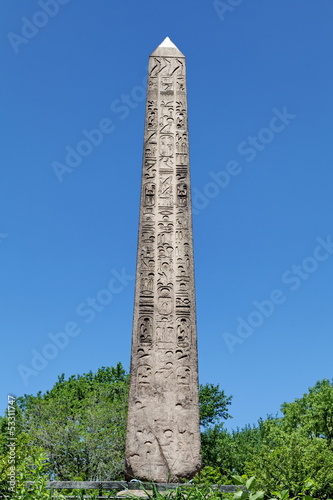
(163, 436)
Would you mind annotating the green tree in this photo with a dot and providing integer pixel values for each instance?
(281, 452)
(21, 450)
(313, 413)
(213, 405)
(286, 459)
(298, 445)
(81, 423)
(215, 441)
(229, 451)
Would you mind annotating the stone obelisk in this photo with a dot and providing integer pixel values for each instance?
(163, 436)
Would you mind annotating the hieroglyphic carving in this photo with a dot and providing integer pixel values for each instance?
(164, 332)
(165, 271)
(166, 66)
(166, 145)
(152, 116)
(166, 125)
(180, 115)
(183, 376)
(165, 186)
(177, 67)
(165, 213)
(179, 236)
(164, 225)
(149, 169)
(147, 263)
(164, 301)
(183, 285)
(167, 108)
(181, 174)
(181, 221)
(164, 238)
(180, 84)
(183, 332)
(183, 302)
(180, 267)
(181, 158)
(155, 68)
(181, 142)
(149, 199)
(182, 194)
(153, 85)
(167, 85)
(145, 328)
(144, 380)
(166, 164)
(163, 440)
(147, 235)
(150, 150)
(165, 251)
(147, 283)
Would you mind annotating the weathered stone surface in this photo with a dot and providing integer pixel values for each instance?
(135, 493)
(163, 436)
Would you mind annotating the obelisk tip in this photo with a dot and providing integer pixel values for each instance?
(167, 47)
(168, 43)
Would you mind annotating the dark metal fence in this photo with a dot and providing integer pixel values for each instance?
(113, 486)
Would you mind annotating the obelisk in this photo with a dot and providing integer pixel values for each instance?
(163, 435)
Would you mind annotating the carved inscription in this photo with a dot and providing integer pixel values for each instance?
(149, 194)
(163, 436)
(145, 330)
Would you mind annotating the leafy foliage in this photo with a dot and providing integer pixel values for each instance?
(215, 441)
(23, 450)
(281, 452)
(33, 469)
(298, 445)
(210, 475)
(76, 431)
(81, 423)
(286, 459)
(213, 405)
(313, 413)
(229, 450)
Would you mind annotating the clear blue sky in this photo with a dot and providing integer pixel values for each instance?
(260, 85)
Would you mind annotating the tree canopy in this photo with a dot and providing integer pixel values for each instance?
(81, 423)
(79, 426)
